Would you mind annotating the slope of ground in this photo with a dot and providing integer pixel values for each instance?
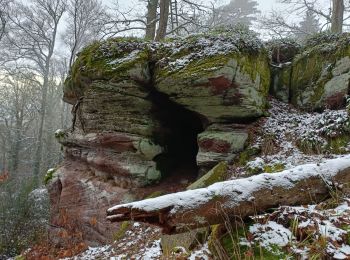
(285, 139)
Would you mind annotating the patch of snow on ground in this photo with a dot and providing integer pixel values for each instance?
(271, 233)
(315, 227)
(92, 253)
(202, 253)
(153, 252)
(288, 125)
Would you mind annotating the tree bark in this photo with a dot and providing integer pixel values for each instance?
(240, 198)
(39, 146)
(16, 147)
(337, 16)
(151, 19)
(163, 19)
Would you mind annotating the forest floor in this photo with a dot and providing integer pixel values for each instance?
(285, 139)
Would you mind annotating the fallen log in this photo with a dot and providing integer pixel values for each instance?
(240, 198)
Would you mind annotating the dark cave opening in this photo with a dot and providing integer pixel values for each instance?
(177, 133)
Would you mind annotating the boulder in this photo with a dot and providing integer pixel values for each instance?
(220, 143)
(222, 77)
(321, 73)
(119, 60)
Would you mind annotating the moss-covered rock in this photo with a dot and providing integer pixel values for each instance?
(221, 76)
(321, 73)
(217, 174)
(187, 241)
(116, 60)
(280, 81)
(283, 50)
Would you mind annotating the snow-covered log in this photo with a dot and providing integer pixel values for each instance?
(240, 198)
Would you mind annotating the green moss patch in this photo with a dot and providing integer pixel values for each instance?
(124, 226)
(276, 167)
(49, 175)
(217, 174)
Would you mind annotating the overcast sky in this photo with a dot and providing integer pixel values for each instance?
(265, 5)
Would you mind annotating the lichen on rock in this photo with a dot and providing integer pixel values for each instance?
(222, 76)
(321, 73)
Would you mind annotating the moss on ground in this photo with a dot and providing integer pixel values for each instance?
(276, 167)
(247, 155)
(124, 226)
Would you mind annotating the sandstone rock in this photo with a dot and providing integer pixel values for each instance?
(119, 60)
(281, 76)
(220, 144)
(320, 77)
(78, 202)
(216, 77)
(113, 156)
(141, 114)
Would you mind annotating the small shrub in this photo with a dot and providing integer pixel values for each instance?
(23, 216)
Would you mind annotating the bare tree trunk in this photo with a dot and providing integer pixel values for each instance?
(239, 198)
(337, 16)
(16, 146)
(39, 147)
(163, 19)
(151, 19)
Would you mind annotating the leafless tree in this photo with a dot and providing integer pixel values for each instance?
(151, 19)
(4, 8)
(85, 21)
(337, 17)
(161, 18)
(32, 40)
(18, 92)
(332, 16)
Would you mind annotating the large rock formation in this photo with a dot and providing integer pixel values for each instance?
(148, 112)
(318, 77)
(152, 117)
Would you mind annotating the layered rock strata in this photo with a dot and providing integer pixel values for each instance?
(145, 112)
